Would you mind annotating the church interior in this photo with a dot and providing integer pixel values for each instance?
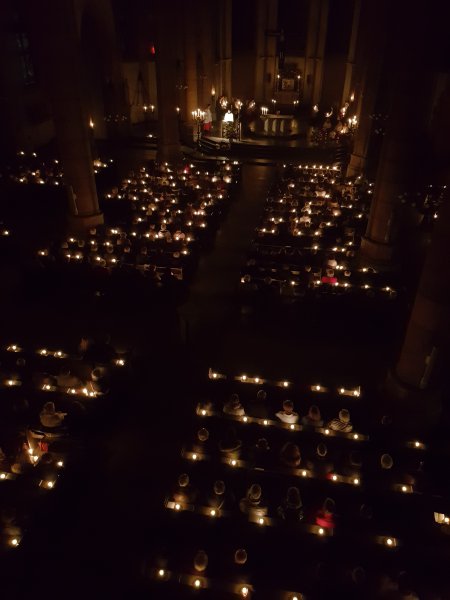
(225, 312)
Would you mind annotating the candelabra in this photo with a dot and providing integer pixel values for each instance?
(199, 117)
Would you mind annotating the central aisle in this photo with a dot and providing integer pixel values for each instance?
(212, 299)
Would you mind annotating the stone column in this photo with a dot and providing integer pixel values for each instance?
(190, 59)
(320, 53)
(367, 75)
(224, 52)
(167, 30)
(351, 55)
(406, 121)
(266, 49)
(206, 82)
(311, 44)
(415, 387)
(12, 109)
(53, 26)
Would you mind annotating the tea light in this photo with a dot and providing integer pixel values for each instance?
(212, 512)
(244, 591)
(261, 521)
(161, 572)
(356, 481)
(177, 506)
(321, 531)
(194, 457)
(233, 462)
(285, 384)
(245, 419)
(327, 431)
(197, 583)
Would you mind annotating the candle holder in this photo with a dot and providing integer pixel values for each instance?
(198, 116)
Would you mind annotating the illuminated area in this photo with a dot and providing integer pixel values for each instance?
(224, 233)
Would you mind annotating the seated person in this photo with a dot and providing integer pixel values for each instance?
(258, 406)
(392, 475)
(290, 455)
(329, 277)
(322, 465)
(66, 380)
(233, 406)
(342, 422)
(252, 504)
(287, 415)
(292, 507)
(206, 406)
(200, 561)
(49, 417)
(229, 444)
(313, 418)
(260, 455)
(331, 262)
(99, 381)
(201, 441)
(325, 515)
(184, 492)
(219, 497)
(351, 464)
(4, 463)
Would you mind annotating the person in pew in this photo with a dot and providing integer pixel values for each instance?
(99, 381)
(233, 406)
(350, 465)
(291, 508)
(290, 455)
(220, 498)
(50, 418)
(287, 415)
(253, 504)
(229, 445)
(329, 277)
(260, 454)
(342, 422)
(184, 492)
(321, 465)
(200, 561)
(65, 379)
(4, 462)
(201, 443)
(313, 418)
(390, 474)
(325, 515)
(258, 405)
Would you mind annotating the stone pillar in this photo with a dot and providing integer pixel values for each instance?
(53, 26)
(416, 385)
(266, 49)
(12, 110)
(351, 55)
(206, 72)
(190, 59)
(169, 148)
(320, 53)
(224, 51)
(311, 43)
(367, 75)
(407, 119)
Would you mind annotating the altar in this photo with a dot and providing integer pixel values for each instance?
(279, 125)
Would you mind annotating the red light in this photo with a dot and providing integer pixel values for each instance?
(152, 49)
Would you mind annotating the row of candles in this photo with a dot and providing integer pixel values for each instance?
(284, 383)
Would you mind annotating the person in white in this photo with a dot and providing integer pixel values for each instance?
(287, 415)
